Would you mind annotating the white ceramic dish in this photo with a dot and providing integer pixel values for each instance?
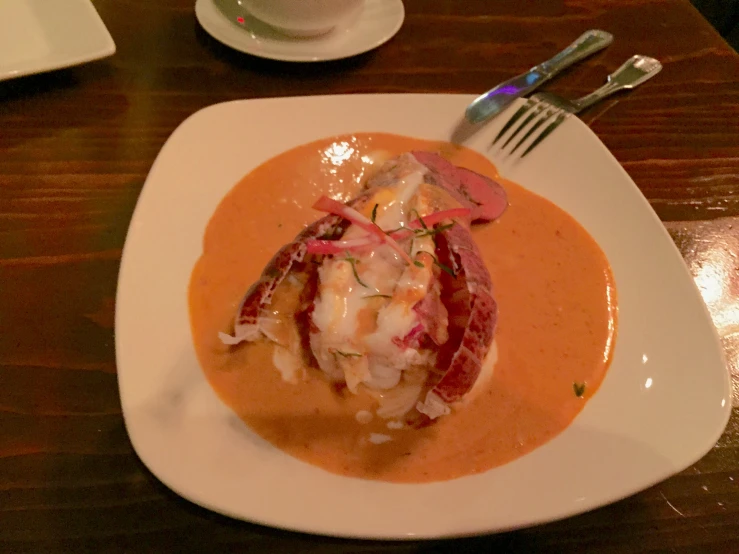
(663, 404)
(42, 35)
(376, 23)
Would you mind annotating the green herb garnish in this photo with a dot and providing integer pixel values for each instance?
(348, 354)
(435, 231)
(444, 268)
(377, 296)
(579, 389)
(353, 261)
(420, 219)
(374, 213)
(418, 263)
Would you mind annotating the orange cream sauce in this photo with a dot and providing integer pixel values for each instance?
(556, 323)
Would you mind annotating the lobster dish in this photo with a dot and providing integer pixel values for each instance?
(390, 308)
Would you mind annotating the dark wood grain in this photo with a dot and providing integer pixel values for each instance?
(75, 148)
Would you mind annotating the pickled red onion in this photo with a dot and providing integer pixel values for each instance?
(321, 246)
(329, 205)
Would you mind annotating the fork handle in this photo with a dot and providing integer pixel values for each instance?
(634, 72)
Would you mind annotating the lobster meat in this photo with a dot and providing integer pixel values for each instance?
(395, 292)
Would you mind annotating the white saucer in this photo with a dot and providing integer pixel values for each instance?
(230, 24)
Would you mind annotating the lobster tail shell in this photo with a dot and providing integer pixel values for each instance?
(472, 314)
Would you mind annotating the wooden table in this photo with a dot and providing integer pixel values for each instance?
(76, 146)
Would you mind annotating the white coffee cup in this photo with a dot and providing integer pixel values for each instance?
(302, 18)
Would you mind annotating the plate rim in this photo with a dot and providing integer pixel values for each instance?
(587, 506)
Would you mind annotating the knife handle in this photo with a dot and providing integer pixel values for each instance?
(589, 43)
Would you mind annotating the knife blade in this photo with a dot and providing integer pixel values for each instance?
(498, 98)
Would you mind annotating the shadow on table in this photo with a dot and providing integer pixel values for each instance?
(24, 87)
(40, 106)
(55, 81)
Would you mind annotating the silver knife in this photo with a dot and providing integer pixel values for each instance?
(498, 98)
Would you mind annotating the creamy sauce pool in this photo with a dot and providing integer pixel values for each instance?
(556, 323)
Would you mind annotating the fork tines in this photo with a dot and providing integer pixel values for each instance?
(537, 111)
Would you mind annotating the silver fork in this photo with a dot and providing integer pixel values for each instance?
(547, 106)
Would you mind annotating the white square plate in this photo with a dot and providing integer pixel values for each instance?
(664, 402)
(41, 35)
